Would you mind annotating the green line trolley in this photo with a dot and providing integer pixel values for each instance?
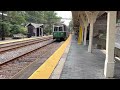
(60, 32)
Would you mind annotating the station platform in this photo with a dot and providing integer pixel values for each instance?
(75, 62)
(20, 40)
(80, 64)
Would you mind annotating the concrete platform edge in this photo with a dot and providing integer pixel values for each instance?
(58, 69)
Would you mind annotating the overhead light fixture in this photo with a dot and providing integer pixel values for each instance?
(3, 14)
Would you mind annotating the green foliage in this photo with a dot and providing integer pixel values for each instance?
(15, 17)
(15, 29)
(16, 20)
(6, 26)
(50, 18)
(23, 30)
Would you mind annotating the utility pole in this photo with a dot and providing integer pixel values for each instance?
(2, 32)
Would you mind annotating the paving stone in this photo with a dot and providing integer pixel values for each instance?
(81, 64)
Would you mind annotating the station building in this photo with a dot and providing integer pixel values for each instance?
(35, 29)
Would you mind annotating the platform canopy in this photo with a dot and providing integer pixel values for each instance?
(81, 20)
(79, 16)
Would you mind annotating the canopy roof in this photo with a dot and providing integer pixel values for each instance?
(77, 18)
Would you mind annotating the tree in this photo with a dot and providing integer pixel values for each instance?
(16, 20)
(51, 18)
(16, 17)
(6, 26)
(15, 29)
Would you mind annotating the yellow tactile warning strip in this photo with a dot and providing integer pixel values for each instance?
(46, 69)
(11, 41)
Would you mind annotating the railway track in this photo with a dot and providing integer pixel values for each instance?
(11, 69)
(14, 45)
(12, 53)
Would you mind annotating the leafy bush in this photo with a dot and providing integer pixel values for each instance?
(15, 29)
(23, 30)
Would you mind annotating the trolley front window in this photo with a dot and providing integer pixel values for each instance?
(55, 28)
(60, 29)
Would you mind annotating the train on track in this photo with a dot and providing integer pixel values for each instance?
(60, 32)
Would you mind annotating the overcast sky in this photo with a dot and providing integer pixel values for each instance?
(65, 14)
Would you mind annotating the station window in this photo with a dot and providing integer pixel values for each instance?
(60, 28)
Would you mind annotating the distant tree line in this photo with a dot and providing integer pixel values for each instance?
(15, 21)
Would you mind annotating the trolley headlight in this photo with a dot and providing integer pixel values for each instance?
(62, 33)
(54, 33)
